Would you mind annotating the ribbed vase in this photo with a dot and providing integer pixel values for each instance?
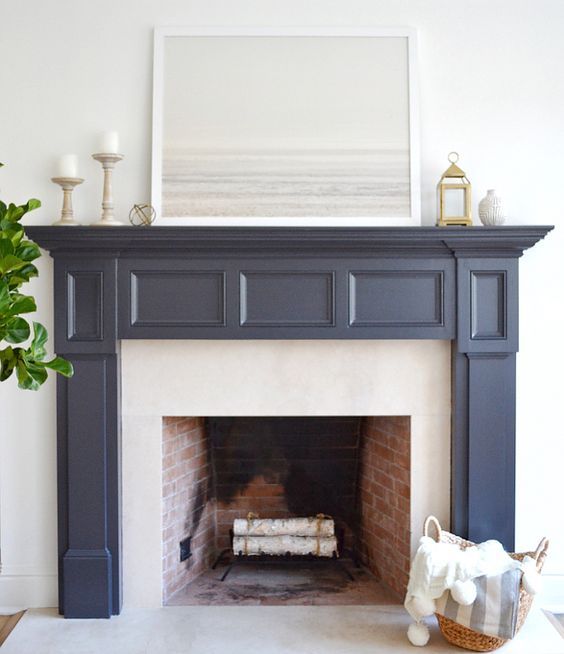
(491, 209)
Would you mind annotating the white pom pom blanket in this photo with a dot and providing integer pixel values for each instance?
(438, 567)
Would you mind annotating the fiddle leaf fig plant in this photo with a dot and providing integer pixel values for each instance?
(16, 267)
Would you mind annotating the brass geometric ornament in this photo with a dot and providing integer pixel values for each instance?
(142, 215)
(454, 195)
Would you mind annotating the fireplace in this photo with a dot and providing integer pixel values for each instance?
(354, 469)
(119, 288)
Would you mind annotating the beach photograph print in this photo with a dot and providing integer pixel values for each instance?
(285, 126)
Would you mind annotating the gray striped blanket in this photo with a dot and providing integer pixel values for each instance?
(494, 611)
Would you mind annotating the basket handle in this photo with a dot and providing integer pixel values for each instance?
(431, 520)
(541, 552)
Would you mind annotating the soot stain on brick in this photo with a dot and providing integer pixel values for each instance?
(315, 459)
(204, 493)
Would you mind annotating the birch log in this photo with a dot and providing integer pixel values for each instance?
(280, 545)
(324, 527)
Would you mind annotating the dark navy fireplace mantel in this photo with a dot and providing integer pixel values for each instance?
(459, 284)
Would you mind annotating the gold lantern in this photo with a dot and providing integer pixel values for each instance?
(455, 195)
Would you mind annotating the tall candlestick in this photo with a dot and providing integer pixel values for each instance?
(109, 142)
(67, 166)
(67, 184)
(108, 161)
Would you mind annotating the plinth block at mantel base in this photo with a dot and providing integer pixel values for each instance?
(458, 284)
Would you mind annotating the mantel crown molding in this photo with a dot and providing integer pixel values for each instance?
(404, 241)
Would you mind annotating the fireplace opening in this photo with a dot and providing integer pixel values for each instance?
(354, 469)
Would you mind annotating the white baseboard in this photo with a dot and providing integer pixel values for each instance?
(19, 592)
(552, 594)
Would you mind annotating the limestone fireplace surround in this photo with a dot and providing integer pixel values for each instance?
(280, 321)
(273, 378)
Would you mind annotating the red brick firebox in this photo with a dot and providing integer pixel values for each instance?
(384, 494)
(357, 469)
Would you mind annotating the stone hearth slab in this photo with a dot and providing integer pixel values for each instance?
(240, 630)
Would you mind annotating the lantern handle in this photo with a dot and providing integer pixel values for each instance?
(453, 157)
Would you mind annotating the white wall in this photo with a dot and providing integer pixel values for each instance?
(492, 88)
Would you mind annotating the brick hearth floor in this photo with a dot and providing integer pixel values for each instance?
(284, 584)
(244, 629)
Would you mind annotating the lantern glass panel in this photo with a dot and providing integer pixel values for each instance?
(454, 202)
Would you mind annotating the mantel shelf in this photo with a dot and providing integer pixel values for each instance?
(433, 241)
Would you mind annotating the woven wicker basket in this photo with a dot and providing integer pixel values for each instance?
(464, 637)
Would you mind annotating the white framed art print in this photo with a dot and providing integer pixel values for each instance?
(295, 126)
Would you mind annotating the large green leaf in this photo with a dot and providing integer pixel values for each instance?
(9, 263)
(14, 213)
(27, 251)
(37, 347)
(61, 366)
(25, 379)
(32, 204)
(13, 231)
(22, 304)
(8, 362)
(17, 330)
(6, 247)
(18, 277)
(37, 372)
(5, 299)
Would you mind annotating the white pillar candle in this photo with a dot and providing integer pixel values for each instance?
(109, 143)
(67, 166)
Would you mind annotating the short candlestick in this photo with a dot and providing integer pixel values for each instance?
(108, 161)
(67, 184)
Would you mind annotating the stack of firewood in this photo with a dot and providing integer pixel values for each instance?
(253, 536)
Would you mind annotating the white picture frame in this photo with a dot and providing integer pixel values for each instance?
(411, 217)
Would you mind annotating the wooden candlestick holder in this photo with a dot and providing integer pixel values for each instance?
(108, 161)
(67, 184)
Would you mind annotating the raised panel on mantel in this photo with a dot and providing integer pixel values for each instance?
(488, 305)
(488, 300)
(396, 298)
(287, 298)
(180, 298)
(85, 303)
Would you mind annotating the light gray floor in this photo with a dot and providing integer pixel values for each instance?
(557, 620)
(250, 630)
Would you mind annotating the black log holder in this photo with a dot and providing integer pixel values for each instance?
(291, 559)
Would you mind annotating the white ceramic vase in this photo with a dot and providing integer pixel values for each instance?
(491, 209)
